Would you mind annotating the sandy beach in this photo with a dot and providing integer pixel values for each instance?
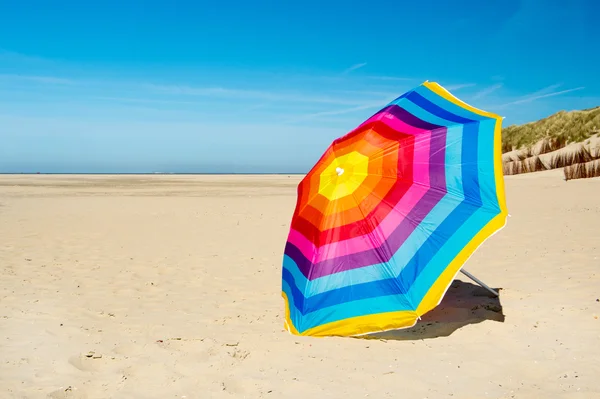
(169, 287)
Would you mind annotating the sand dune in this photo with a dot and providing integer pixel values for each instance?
(169, 287)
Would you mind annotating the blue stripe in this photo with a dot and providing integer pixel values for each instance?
(487, 173)
(447, 105)
(435, 109)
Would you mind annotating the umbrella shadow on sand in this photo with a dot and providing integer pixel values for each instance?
(463, 304)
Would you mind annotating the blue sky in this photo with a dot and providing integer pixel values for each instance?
(237, 86)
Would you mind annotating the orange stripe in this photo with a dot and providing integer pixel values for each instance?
(346, 210)
(365, 199)
(312, 184)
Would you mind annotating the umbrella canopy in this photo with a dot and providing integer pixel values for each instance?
(389, 214)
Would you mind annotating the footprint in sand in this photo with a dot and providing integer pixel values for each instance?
(67, 393)
(87, 362)
(239, 354)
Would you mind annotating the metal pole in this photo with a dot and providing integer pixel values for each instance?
(481, 283)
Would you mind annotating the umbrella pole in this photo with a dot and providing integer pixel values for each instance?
(481, 283)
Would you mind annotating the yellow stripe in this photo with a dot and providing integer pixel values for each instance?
(354, 325)
(442, 92)
(289, 326)
(403, 319)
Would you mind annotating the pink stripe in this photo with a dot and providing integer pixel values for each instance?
(396, 215)
(394, 123)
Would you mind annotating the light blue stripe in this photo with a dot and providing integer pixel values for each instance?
(489, 194)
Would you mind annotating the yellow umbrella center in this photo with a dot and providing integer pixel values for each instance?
(343, 175)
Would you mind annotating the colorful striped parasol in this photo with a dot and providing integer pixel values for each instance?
(390, 213)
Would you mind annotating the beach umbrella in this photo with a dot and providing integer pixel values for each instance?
(390, 213)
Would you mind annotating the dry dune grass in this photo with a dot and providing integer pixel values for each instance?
(515, 155)
(593, 146)
(562, 140)
(582, 170)
(546, 145)
(527, 165)
(573, 153)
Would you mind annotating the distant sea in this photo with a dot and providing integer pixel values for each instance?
(154, 173)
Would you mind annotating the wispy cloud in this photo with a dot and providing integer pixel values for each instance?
(152, 89)
(543, 93)
(386, 97)
(545, 90)
(275, 96)
(145, 100)
(335, 112)
(265, 95)
(487, 91)
(296, 98)
(37, 79)
(354, 68)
